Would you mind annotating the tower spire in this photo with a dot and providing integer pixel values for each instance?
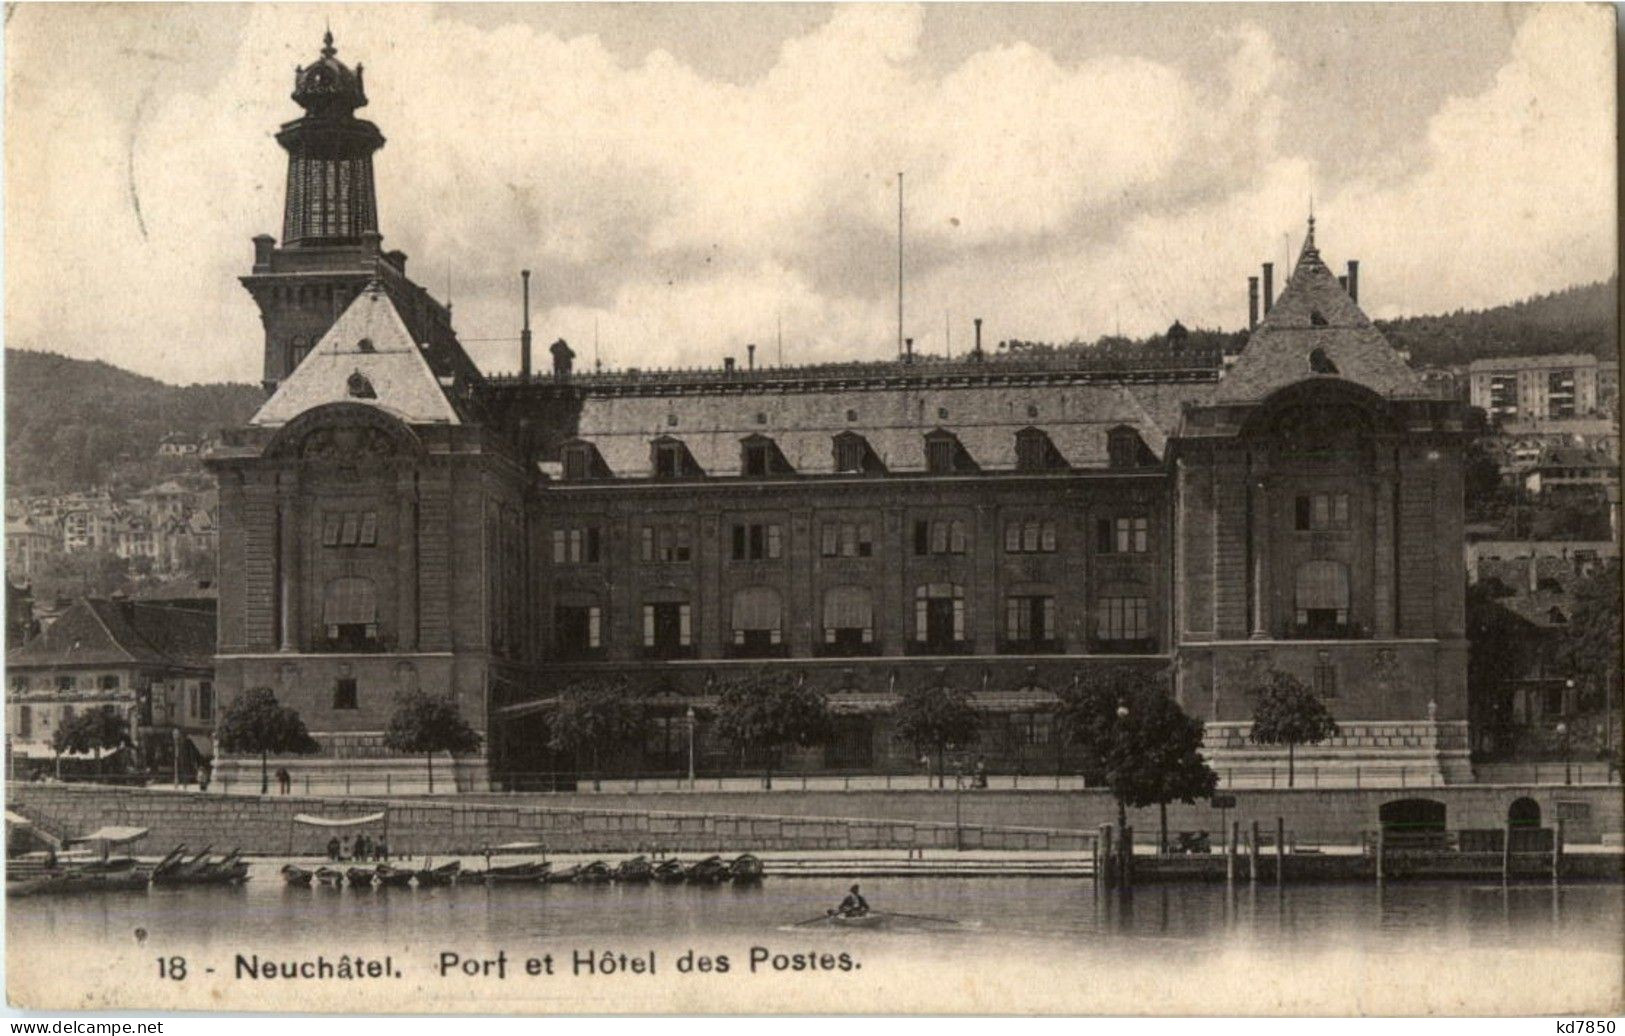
(328, 50)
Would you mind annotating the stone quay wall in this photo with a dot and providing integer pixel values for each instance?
(736, 821)
(418, 826)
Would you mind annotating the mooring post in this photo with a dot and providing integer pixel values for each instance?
(1381, 837)
(1252, 857)
(1234, 835)
(1127, 851)
(1506, 855)
(1557, 851)
(1106, 856)
(1280, 849)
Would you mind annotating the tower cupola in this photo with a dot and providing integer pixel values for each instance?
(330, 197)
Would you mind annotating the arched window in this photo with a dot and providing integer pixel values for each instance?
(849, 621)
(1322, 599)
(1320, 363)
(758, 622)
(350, 614)
(360, 387)
(939, 617)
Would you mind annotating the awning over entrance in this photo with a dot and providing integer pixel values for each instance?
(111, 835)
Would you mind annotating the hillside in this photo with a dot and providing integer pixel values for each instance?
(72, 424)
(1575, 320)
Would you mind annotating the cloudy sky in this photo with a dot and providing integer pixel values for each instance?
(683, 179)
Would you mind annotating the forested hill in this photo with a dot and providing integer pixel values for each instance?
(72, 424)
(1575, 320)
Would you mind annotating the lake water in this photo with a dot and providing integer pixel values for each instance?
(1019, 945)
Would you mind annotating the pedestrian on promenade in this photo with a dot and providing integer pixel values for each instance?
(284, 780)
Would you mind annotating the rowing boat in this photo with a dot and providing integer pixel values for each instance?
(515, 873)
(595, 873)
(712, 870)
(392, 877)
(329, 877)
(444, 874)
(296, 875)
(634, 871)
(670, 872)
(746, 870)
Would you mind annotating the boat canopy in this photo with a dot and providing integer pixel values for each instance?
(111, 835)
(306, 818)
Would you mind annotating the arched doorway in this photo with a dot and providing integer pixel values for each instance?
(1524, 812)
(1412, 816)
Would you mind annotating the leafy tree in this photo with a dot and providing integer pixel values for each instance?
(97, 730)
(760, 713)
(1135, 739)
(934, 718)
(596, 715)
(256, 723)
(429, 723)
(1589, 649)
(1290, 714)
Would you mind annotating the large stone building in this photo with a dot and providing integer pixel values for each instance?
(391, 518)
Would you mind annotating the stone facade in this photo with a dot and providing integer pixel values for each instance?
(1001, 525)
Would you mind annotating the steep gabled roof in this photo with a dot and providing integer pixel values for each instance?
(367, 357)
(1316, 329)
(97, 631)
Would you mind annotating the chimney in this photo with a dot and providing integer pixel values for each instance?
(397, 258)
(978, 350)
(1252, 303)
(728, 364)
(750, 356)
(524, 335)
(1269, 287)
(372, 242)
(263, 244)
(1354, 281)
(908, 350)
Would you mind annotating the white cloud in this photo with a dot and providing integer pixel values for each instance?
(683, 213)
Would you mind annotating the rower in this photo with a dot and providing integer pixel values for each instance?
(854, 905)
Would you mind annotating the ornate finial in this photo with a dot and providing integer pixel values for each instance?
(328, 50)
(1311, 220)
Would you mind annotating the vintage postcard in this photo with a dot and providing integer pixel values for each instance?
(821, 508)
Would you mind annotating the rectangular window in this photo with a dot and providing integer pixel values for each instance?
(668, 460)
(940, 456)
(577, 630)
(1033, 729)
(666, 543)
(25, 722)
(560, 554)
(1029, 619)
(344, 694)
(1321, 512)
(352, 529)
(1129, 535)
(757, 542)
(1029, 537)
(648, 543)
(940, 536)
(65, 683)
(846, 540)
(667, 627)
(369, 529)
(108, 682)
(758, 461)
(1123, 618)
(1326, 680)
(849, 454)
(330, 529)
(205, 700)
(575, 462)
(576, 546)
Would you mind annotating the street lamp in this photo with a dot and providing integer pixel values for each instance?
(1563, 732)
(690, 717)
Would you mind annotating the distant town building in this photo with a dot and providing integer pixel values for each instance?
(179, 444)
(1534, 387)
(151, 661)
(1572, 472)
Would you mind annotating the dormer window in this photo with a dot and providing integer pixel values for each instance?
(1320, 363)
(365, 346)
(944, 455)
(1125, 449)
(759, 457)
(1035, 451)
(671, 459)
(360, 387)
(581, 460)
(853, 455)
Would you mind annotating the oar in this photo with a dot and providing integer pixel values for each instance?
(919, 917)
(825, 916)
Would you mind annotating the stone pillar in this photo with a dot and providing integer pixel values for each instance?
(1382, 583)
(1259, 544)
(406, 554)
(288, 584)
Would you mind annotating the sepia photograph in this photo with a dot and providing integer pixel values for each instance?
(802, 509)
